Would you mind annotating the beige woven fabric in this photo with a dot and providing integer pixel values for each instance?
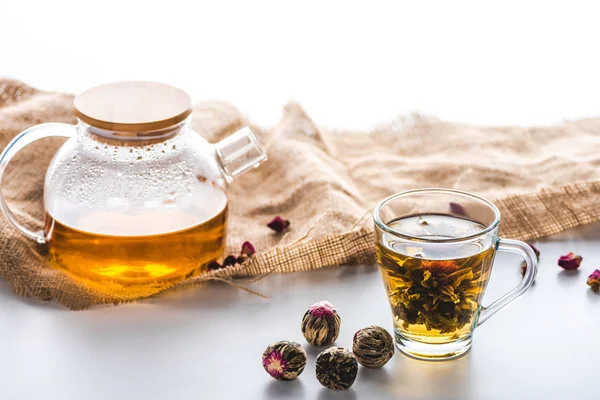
(544, 179)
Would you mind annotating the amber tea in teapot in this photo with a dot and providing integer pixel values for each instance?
(134, 198)
(125, 253)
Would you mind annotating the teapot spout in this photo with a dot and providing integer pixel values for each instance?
(239, 152)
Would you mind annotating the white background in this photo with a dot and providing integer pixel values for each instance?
(350, 64)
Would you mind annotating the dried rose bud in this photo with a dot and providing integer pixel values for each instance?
(213, 266)
(279, 224)
(457, 208)
(535, 250)
(229, 261)
(570, 262)
(241, 259)
(594, 281)
(248, 249)
(537, 256)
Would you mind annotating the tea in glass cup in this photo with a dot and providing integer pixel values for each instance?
(435, 250)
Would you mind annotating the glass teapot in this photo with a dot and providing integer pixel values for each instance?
(134, 197)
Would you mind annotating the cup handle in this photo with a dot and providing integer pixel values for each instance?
(24, 138)
(525, 251)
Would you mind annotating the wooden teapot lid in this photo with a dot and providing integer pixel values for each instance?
(133, 106)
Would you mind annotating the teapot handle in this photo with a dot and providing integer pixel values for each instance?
(24, 138)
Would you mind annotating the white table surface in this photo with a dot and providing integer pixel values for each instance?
(351, 66)
(206, 343)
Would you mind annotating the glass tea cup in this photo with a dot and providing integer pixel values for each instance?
(435, 250)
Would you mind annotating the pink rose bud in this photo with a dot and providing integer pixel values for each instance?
(594, 281)
(535, 250)
(570, 262)
(279, 224)
(248, 249)
(322, 308)
(457, 208)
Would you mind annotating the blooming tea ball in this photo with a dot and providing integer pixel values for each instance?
(284, 360)
(373, 346)
(321, 324)
(336, 368)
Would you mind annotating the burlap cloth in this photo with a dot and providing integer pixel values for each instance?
(544, 180)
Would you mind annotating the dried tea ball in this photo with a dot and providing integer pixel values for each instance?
(336, 368)
(284, 360)
(321, 324)
(373, 346)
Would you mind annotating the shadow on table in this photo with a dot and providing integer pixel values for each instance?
(313, 351)
(410, 378)
(279, 389)
(580, 233)
(377, 376)
(328, 394)
(8, 293)
(568, 277)
(223, 295)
